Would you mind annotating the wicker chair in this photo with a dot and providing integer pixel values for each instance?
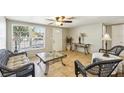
(98, 68)
(116, 50)
(22, 71)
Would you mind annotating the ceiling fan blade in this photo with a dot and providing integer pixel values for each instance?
(50, 19)
(68, 17)
(50, 23)
(67, 21)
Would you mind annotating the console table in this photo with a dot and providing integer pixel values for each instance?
(85, 46)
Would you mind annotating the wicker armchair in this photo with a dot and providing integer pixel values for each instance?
(22, 70)
(98, 68)
(116, 50)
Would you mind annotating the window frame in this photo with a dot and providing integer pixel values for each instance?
(44, 45)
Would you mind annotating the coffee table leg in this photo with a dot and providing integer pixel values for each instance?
(62, 62)
(39, 62)
(85, 51)
(47, 69)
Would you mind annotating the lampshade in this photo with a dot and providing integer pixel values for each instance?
(59, 24)
(106, 37)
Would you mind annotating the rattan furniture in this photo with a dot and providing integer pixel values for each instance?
(100, 66)
(13, 68)
(116, 50)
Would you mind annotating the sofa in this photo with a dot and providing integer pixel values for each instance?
(15, 64)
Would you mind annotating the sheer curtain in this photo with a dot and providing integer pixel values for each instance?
(2, 33)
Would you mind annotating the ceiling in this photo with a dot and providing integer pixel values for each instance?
(77, 21)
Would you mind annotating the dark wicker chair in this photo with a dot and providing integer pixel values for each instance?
(116, 50)
(23, 71)
(97, 68)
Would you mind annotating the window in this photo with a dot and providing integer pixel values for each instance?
(27, 37)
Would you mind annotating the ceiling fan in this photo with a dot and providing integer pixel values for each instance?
(60, 20)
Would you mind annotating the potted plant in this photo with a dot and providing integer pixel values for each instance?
(69, 43)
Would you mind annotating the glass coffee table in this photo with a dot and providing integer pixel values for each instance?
(49, 58)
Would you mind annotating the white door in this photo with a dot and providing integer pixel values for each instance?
(118, 35)
(57, 39)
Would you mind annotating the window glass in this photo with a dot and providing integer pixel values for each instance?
(28, 37)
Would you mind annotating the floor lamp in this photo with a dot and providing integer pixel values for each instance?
(106, 38)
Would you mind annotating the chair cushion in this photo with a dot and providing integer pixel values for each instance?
(17, 61)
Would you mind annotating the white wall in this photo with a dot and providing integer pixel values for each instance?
(57, 39)
(2, 32)
(94, 35)
(117, 35)
(65, 33)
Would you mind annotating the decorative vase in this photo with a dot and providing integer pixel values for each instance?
(79, 40)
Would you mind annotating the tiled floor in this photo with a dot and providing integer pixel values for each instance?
(58, 70)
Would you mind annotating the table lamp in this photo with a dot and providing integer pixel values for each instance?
(106, 38)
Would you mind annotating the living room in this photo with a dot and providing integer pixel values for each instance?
(41, 52)
(45, 42)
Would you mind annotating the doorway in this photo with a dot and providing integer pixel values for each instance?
(57, 39)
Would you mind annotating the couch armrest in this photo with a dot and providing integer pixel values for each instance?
(102, 50)
(79, 69)
(21, 53)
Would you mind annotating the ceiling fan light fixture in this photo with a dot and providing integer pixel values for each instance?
(59, 23)
(60, 20)
(68, 17)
